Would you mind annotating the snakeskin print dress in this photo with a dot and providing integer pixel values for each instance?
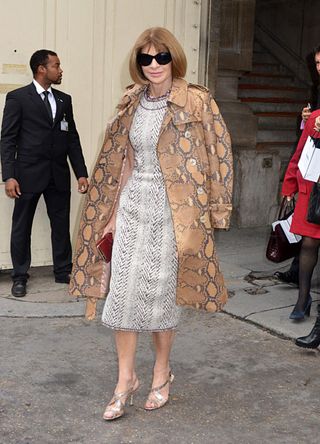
(142, 294)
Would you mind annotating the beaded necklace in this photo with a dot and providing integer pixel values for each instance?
(162, 102)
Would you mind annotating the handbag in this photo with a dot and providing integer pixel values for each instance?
(279, 248)
(313, 215)
(104, 246)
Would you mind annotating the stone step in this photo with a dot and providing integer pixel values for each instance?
(247, 90)
(272, 100)
(248, 85)
(268, 79)
(269, 75)
(261, 105)
(271, 68)
(277, 135)
(283, 120)
(276, 97)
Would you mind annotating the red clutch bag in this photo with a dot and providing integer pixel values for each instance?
(104, 246)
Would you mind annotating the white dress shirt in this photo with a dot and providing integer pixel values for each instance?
(51, 98)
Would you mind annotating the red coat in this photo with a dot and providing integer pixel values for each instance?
(294, 182)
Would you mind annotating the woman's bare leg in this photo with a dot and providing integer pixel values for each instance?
(163, 343)
(126, 344)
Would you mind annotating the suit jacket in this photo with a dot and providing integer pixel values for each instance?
(33, 148)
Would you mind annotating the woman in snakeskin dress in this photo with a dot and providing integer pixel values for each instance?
(144, 260)
(173, 150)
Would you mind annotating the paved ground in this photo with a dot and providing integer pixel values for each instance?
(234, 384)
(239, 377)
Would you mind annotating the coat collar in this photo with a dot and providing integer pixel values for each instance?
(178, 94)
(180, 109)
(179, 91)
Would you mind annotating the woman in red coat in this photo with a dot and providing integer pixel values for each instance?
(293, 183)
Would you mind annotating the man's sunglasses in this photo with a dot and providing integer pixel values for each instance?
(162, 58)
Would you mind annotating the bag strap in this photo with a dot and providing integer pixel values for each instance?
(285, 206)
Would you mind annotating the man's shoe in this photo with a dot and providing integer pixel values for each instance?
(287, 276)
(62, 279)
(18, 289)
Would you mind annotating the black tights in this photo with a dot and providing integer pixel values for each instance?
(307, 261)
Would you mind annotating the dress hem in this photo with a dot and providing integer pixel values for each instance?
(303, 231)
(153, 330)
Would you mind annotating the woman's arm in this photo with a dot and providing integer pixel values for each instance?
(125, 174)
(290, 183)
(218, 145)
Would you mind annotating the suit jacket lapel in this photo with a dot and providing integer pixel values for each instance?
(36, 98)
(60, 106)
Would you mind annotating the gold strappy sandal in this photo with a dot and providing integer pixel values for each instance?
(155, 398)
(117, 404)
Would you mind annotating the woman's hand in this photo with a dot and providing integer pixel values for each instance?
(317, 124)
(289, 198)
(111, 225)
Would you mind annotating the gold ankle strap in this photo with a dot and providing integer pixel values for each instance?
(168, 381)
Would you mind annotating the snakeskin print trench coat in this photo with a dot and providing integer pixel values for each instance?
(195, 156)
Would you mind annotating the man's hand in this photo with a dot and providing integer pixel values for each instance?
(83, 185)
(305, 113)
(12, 189)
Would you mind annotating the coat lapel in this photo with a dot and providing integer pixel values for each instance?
(176, 101)
(127, 108)
(60, 106)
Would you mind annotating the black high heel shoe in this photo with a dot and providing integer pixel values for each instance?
(313, 338)
(298, 315)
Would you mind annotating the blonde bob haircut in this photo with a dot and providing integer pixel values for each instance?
(163, 41)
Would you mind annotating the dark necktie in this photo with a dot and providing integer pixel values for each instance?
(47, 104)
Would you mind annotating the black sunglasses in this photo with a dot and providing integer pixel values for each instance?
(162, 58)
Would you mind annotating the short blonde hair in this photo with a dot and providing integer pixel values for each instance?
(162, 40)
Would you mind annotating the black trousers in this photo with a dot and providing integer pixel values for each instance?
(58, 209)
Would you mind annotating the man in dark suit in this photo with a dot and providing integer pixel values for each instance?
(38, 136)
